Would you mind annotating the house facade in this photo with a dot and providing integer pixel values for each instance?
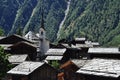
(24, 48)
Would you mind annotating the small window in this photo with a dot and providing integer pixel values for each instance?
(41, 32)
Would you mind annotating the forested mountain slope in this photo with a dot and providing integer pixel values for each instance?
(98, 20)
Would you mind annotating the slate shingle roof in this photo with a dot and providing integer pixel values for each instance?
(104, 51)
(54, 57)
(79, 63)
(12, 39)
(17, 59)
(82, 45)
(101, 67)
(80, 39)
(56, 52)
(25, 68)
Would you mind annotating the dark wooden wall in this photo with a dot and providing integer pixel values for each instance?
(45, 72)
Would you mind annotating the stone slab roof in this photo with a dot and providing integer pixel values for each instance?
(80, 39)
(25, 68)
(54, 57)
(103, 51)
(101, 67)
(79, 62)
(17, 59)
(57, 52)
(83, 45)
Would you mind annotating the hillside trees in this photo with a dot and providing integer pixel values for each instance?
(1, 32)
(98, 20)
(4, 64)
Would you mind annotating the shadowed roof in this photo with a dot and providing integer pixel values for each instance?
(13, 39)
(22, 43)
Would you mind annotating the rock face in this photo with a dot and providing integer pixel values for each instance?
(98, 20)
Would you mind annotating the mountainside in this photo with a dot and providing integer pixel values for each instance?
(98, 20)
(27, 13)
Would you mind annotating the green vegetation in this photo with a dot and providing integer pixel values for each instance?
(98, 20)
(19, 31)
(4, 64)
(1, 32)
(54, 64)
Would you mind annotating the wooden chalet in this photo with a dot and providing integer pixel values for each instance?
(79, 49)
(70, 68)
(18, 58)
(100, 69)
(104, 53)
(24, 48)
(72, 53)
(33, 71)
(76, 53)
(13, 39)
(63, 55)
(55, 55)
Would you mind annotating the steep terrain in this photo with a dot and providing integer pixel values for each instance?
(26, 14)
(98, 20)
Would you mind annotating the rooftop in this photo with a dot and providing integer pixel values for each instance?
(83, 45)
(54, 57)
(80, 39)
(101, 67)
(79, 62)
(25, 68)
(16, 59)
(66, 45)
(92, 43)
(13, 39)
(31, 36)
(57, 52)
(5, 46)
(22, 43)
(104, 50)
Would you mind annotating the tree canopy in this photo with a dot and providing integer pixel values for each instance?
(4, 63)
(1, 32)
